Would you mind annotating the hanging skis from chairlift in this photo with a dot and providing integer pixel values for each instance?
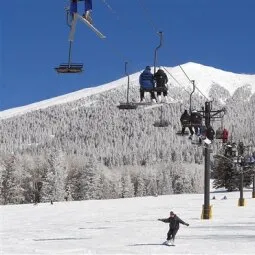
(71, 17)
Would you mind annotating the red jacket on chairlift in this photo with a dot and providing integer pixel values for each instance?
(225, 135)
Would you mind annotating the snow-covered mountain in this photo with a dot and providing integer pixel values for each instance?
(206, 78)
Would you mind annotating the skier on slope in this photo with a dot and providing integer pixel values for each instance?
(174, 222)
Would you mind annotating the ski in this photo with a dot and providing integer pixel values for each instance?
(98, 33)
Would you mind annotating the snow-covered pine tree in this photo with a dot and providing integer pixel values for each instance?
(127, 185)
(11, 182)
(54, 183)
(139, 184)
(91, 181)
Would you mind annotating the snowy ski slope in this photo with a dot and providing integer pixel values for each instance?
(129, 226)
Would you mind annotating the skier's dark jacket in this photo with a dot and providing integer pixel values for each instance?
(210, 133)
(196, 118)
(185, 118)
(160, 78)
(146, 79)
(174, 222)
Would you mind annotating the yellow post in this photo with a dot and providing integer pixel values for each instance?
(241, 202)
(206, 215)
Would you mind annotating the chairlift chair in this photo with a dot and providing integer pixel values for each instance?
(127, 105)
(156, 89)
(69, 68)
(181, 134)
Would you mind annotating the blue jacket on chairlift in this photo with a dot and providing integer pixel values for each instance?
(146, 79)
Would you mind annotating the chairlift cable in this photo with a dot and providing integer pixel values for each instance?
(109, 7)
(192, 83)
(150, 20)
(176, 80)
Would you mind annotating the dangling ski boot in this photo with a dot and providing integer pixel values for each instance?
(87, 17)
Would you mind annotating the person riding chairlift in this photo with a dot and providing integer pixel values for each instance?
(161, 80)
(87, 9)
(146, 82)
(185, 121)
(225, 135)
(196, 120)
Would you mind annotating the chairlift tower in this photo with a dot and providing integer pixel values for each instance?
(253, 188)
(208, 113)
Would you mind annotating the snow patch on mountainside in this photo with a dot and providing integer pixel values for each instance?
(66, 98)
(206, 76)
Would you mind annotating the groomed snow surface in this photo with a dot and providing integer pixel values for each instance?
(129, 226)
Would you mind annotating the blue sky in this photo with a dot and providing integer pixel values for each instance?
(34, 40)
